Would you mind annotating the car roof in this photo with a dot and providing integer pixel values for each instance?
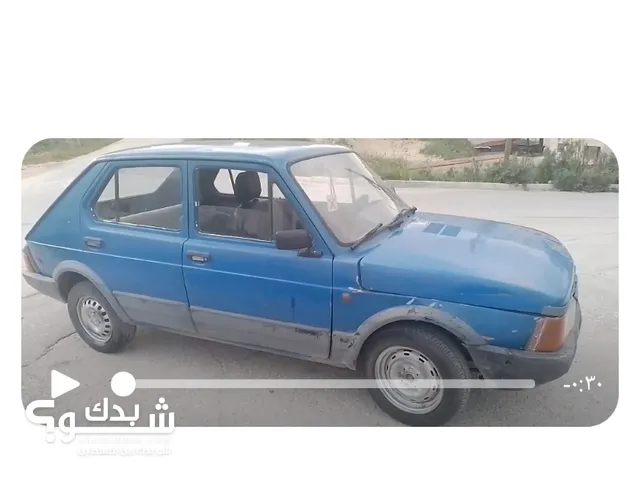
(271, 152)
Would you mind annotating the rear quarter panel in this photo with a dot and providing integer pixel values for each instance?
(56, 235)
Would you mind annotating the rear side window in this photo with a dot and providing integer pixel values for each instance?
(143, 196)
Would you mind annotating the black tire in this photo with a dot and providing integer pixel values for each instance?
(440, 350)
(121, 333)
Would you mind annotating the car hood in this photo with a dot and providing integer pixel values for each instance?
(472, 261)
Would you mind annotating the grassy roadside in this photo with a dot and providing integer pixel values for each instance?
(567, 169)
(449, 148)
(61, 149)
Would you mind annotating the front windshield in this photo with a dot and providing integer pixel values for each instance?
(349, 197)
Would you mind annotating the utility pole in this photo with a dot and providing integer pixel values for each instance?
(507, 149)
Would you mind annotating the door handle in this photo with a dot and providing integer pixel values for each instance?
(93, 242)
(198, 257)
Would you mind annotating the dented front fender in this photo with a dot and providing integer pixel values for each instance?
(346, 347)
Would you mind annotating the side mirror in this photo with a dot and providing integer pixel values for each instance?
(293, 240)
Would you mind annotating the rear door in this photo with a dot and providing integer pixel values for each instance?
(245, 291)
(134, 225)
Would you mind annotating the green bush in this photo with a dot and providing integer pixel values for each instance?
(449, 148)
(567, 180)
(571, 169)
(546, 168)
(610, 163)
(389, 168)
(513, 170)
(596, 180)
(472, 173)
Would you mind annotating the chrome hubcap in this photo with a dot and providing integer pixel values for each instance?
(399, 370)
(94, 319)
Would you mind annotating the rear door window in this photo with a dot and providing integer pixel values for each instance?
(143, 196)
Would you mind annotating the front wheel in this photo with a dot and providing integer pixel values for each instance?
(404, 354)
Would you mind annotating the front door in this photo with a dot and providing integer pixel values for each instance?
(241, 288)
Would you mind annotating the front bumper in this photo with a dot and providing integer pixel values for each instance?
(497, 363)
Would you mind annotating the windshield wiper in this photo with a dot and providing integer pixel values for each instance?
(367, 236)
(396, 221)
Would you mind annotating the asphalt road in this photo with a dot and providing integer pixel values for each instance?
(586, 223)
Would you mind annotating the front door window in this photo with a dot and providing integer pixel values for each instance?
(241, 203)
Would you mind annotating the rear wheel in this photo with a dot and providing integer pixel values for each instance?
(412, 363)
(95, 321)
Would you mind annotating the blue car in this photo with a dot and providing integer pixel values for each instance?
(302, 250)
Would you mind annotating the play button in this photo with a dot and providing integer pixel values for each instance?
(61, 384)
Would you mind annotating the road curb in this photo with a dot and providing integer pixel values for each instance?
(540, 187)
